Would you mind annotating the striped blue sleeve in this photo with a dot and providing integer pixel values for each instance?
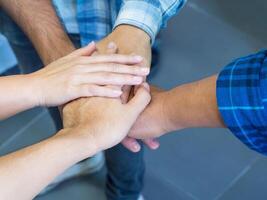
(148, 15)
(242, 98)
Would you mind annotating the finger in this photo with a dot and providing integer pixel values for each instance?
(126, 93)
(145, 85)
(151, 143)
(86, 90)
(85, 51)
(140, 100)
(116, 68)
(111, 58)
(131, 144)
(113, 49)
(110, 79)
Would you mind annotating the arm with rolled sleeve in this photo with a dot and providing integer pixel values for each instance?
(148, 15)
(242, 98)
(234, 99)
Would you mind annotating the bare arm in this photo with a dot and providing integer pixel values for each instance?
(193, 105)
(26, 172)
(186, 106)
(40, 23)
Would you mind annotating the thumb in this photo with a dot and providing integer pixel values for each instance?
(85, 51)
(140, 100)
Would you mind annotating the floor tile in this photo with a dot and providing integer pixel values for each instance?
(158, 188)
(247, 16)
(252, 185)
(201, 162)
(195, 163)
(10, 126)
(85, 188)
(37, 131)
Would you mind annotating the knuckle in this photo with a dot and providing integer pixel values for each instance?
(84, 90)
(91, 90)
(77, 67)
(87, 90)
(107, 76)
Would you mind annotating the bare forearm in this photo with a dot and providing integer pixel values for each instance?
(193, 105)
(26, 172)
(18, 95)
(41, 24)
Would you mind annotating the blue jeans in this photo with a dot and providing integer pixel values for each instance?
(125, 169)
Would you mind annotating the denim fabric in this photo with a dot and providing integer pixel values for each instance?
(125, 169)
(8, 59)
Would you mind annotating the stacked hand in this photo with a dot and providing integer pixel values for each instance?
(104, 122)
(90, 111)
(153, 122)
(139, 44)
(81, 75)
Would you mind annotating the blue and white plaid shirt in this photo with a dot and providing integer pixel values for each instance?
(242, 99)
(96, 18)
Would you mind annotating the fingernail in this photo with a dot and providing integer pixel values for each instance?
(156, 146)
(91, 43)
(145, 70)
(117, 92)
(112, 45)
(136, 147)
(138, 58)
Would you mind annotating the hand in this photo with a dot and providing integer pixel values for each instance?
(104, 121)
(78, 75)
(153, 122)
(130, 40)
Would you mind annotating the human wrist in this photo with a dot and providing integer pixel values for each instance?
(27, 91)
(35, 85)
(179, 107)
(133, 32)
(132, 40)
(80, 140)
(170, 123)
(149, 18)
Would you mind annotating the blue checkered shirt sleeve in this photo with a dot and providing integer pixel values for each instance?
(242, 99)
(148, 15)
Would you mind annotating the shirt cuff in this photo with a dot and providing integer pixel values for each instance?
(141, 14)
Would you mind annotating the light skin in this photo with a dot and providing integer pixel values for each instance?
(71, 77)
(138, 44)
(51, 42)
(186, 106)
(36, 166)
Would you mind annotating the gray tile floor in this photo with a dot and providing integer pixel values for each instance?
(192, 164)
